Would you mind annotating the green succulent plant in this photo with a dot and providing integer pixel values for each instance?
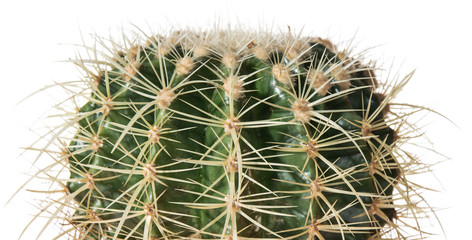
(233, 134)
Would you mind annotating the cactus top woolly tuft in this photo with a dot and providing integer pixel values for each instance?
(232, 134)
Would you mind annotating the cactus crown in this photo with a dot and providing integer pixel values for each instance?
(232, 134)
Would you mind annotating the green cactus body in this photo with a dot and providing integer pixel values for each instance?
(242, 136)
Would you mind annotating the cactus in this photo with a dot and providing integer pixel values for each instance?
(232, 134)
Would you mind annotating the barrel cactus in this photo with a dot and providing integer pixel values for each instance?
(233, 134)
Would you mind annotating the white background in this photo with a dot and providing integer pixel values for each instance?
(433, 37)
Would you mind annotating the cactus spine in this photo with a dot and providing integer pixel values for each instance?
(230, 134)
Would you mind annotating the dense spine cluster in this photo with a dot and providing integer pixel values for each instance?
(235, 135)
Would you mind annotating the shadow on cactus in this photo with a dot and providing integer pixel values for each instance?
(233, 134)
